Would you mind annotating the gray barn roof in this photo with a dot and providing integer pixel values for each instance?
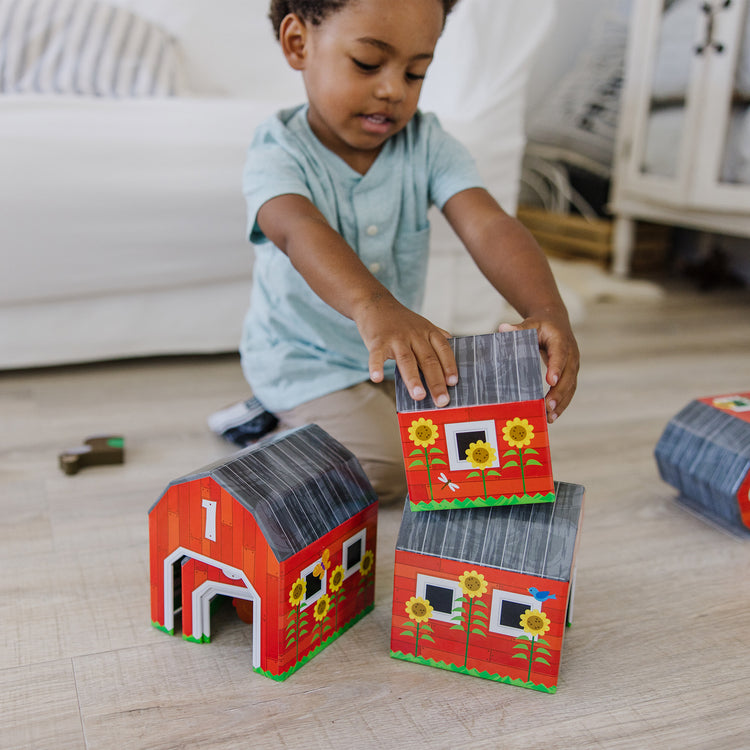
(493, 368)
(536, 539)
(705, 453)
(298, 486)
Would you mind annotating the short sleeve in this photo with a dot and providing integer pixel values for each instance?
(451, 168)
(270, 171)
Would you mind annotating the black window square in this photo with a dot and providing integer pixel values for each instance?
(510, 613)
(440, 598)
(354, 554)
(314, 585)
(465, 439)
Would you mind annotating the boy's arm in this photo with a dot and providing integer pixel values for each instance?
(513, 262)
(337, 275)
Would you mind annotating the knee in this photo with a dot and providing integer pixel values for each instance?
(388, 479)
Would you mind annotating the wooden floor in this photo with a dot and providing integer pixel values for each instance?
(658, 655)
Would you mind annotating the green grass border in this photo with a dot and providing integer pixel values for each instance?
(281, 677)
(474, 672)
(162, 628)
(481, 502)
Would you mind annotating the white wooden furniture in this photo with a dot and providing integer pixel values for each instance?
(683, 150)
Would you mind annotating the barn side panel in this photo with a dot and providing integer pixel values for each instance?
(474, 633)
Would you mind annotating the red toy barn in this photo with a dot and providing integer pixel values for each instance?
(490, 446)
(705, 453)
(488, 591)
(287, 529)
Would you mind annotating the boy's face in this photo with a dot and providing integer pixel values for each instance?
(363, 68)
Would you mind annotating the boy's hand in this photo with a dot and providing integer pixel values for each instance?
(392, 331)
(560, 353)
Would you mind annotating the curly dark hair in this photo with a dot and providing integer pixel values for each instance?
(314, 11)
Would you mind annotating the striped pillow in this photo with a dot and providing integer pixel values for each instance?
(85, 48)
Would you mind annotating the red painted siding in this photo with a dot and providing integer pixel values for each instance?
(424, 483)
(494, 652)
(179, 520)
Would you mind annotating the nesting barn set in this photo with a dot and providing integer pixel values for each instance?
(485, 557)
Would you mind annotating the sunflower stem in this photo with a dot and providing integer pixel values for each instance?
(468, 633)
(531, 656)
(416, 645)
(523, 475)
(429, 478)
(484, 482)
(296, 637)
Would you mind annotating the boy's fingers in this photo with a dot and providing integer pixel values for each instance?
(434, 377)
(560, 355)
(445, 355)
(407, 366)
(376, 365)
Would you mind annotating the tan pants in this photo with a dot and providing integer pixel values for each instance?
(363, 418)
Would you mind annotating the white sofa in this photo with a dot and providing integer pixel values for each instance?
(123, 222)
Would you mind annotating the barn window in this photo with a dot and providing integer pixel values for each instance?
(441, 593)
(507, 608)
(352, 552)
(461, 435)
(315, 585)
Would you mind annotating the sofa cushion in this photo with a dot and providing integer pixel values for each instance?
(84, 47)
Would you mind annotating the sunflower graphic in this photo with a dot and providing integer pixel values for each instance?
(336, 581)
(534, 622)
(418, 609)
(321, 608)
(481, 455)
(367, 560)
(473, 584)
(423, 432)
(518, 434)
(297, 592)
(294, 620)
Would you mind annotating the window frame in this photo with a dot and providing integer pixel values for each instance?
(423, 580)
(498, 597)
(455, 428)
(360, 536)
(308, 571)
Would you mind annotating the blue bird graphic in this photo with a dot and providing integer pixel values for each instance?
(541, 596)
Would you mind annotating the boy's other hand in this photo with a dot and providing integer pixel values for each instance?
(560, 353)
(392, 331)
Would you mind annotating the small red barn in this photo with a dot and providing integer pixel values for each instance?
(490, 446)
(488, 591)
(286, 528)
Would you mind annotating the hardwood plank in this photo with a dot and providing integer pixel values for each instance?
(39, 708)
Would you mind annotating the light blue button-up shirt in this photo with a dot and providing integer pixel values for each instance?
(294, 346)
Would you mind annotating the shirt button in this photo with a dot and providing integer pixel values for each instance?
(372, 230)
(374, 267)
